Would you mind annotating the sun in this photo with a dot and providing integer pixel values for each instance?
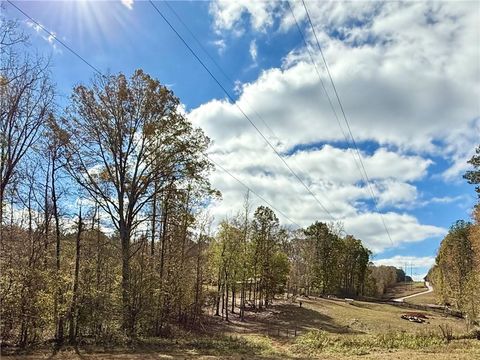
(89, 22)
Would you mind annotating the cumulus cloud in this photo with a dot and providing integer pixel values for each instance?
(408, 77)
(331, 174)
(393, 68)
(403, 228)
(228, 14)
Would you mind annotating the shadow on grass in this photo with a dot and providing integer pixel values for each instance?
(280, 320)
(191, 347)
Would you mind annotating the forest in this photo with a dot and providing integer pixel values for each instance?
(105, 232)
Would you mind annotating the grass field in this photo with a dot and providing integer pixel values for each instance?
(325, 329)
(423, 299)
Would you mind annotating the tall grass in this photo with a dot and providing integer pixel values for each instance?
(319, 341)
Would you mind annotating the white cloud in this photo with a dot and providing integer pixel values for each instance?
(408, 75)
(331, 175)
(402, 261)
(220, 45)
(253, 50)
(228, 14)
(396, 193)
(448, 199)
(461, 145)
(128, 4)
(411, 69)
(403, 228)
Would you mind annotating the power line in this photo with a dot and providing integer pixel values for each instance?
(346, 121)
(101, 74)
(238, 107)
(312, 59)
(217, 65)
(248, 188)
(222, 71)
(316, 68)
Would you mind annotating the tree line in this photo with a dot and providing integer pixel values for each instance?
(456, 272)
(104, 228)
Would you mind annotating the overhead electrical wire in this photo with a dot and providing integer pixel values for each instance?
(101, 74)
(312, 59)
(212, 59)
(53, 36)
(248, 188)
(222, 71)
(367, 179)
(231, 98)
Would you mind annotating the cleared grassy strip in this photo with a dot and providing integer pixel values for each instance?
(423, 299)
(401, 289)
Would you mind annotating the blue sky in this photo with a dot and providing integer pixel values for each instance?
(407, 74)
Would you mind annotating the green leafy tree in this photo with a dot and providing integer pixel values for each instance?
(327, 245)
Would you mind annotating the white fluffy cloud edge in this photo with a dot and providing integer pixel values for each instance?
(408, 76)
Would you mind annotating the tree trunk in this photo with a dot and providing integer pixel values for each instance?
(225, 307)
(73, 307)
(1, 217)
(128, 325)
(198, 280)
(59, 294)
(154, 218)
(219, 284)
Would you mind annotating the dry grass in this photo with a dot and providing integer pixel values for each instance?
(423, 299)
(401, 289)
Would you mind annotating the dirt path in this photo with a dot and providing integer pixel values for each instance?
(430, 289)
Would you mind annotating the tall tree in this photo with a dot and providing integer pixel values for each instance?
(265, 227)
(125, 136)
(326, 255)
(454, 263)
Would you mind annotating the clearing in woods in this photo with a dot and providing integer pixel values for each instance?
(325, 328)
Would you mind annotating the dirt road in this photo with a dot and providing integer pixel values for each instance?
(430, 289)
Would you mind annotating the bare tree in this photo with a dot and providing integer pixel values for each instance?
(26, 97)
